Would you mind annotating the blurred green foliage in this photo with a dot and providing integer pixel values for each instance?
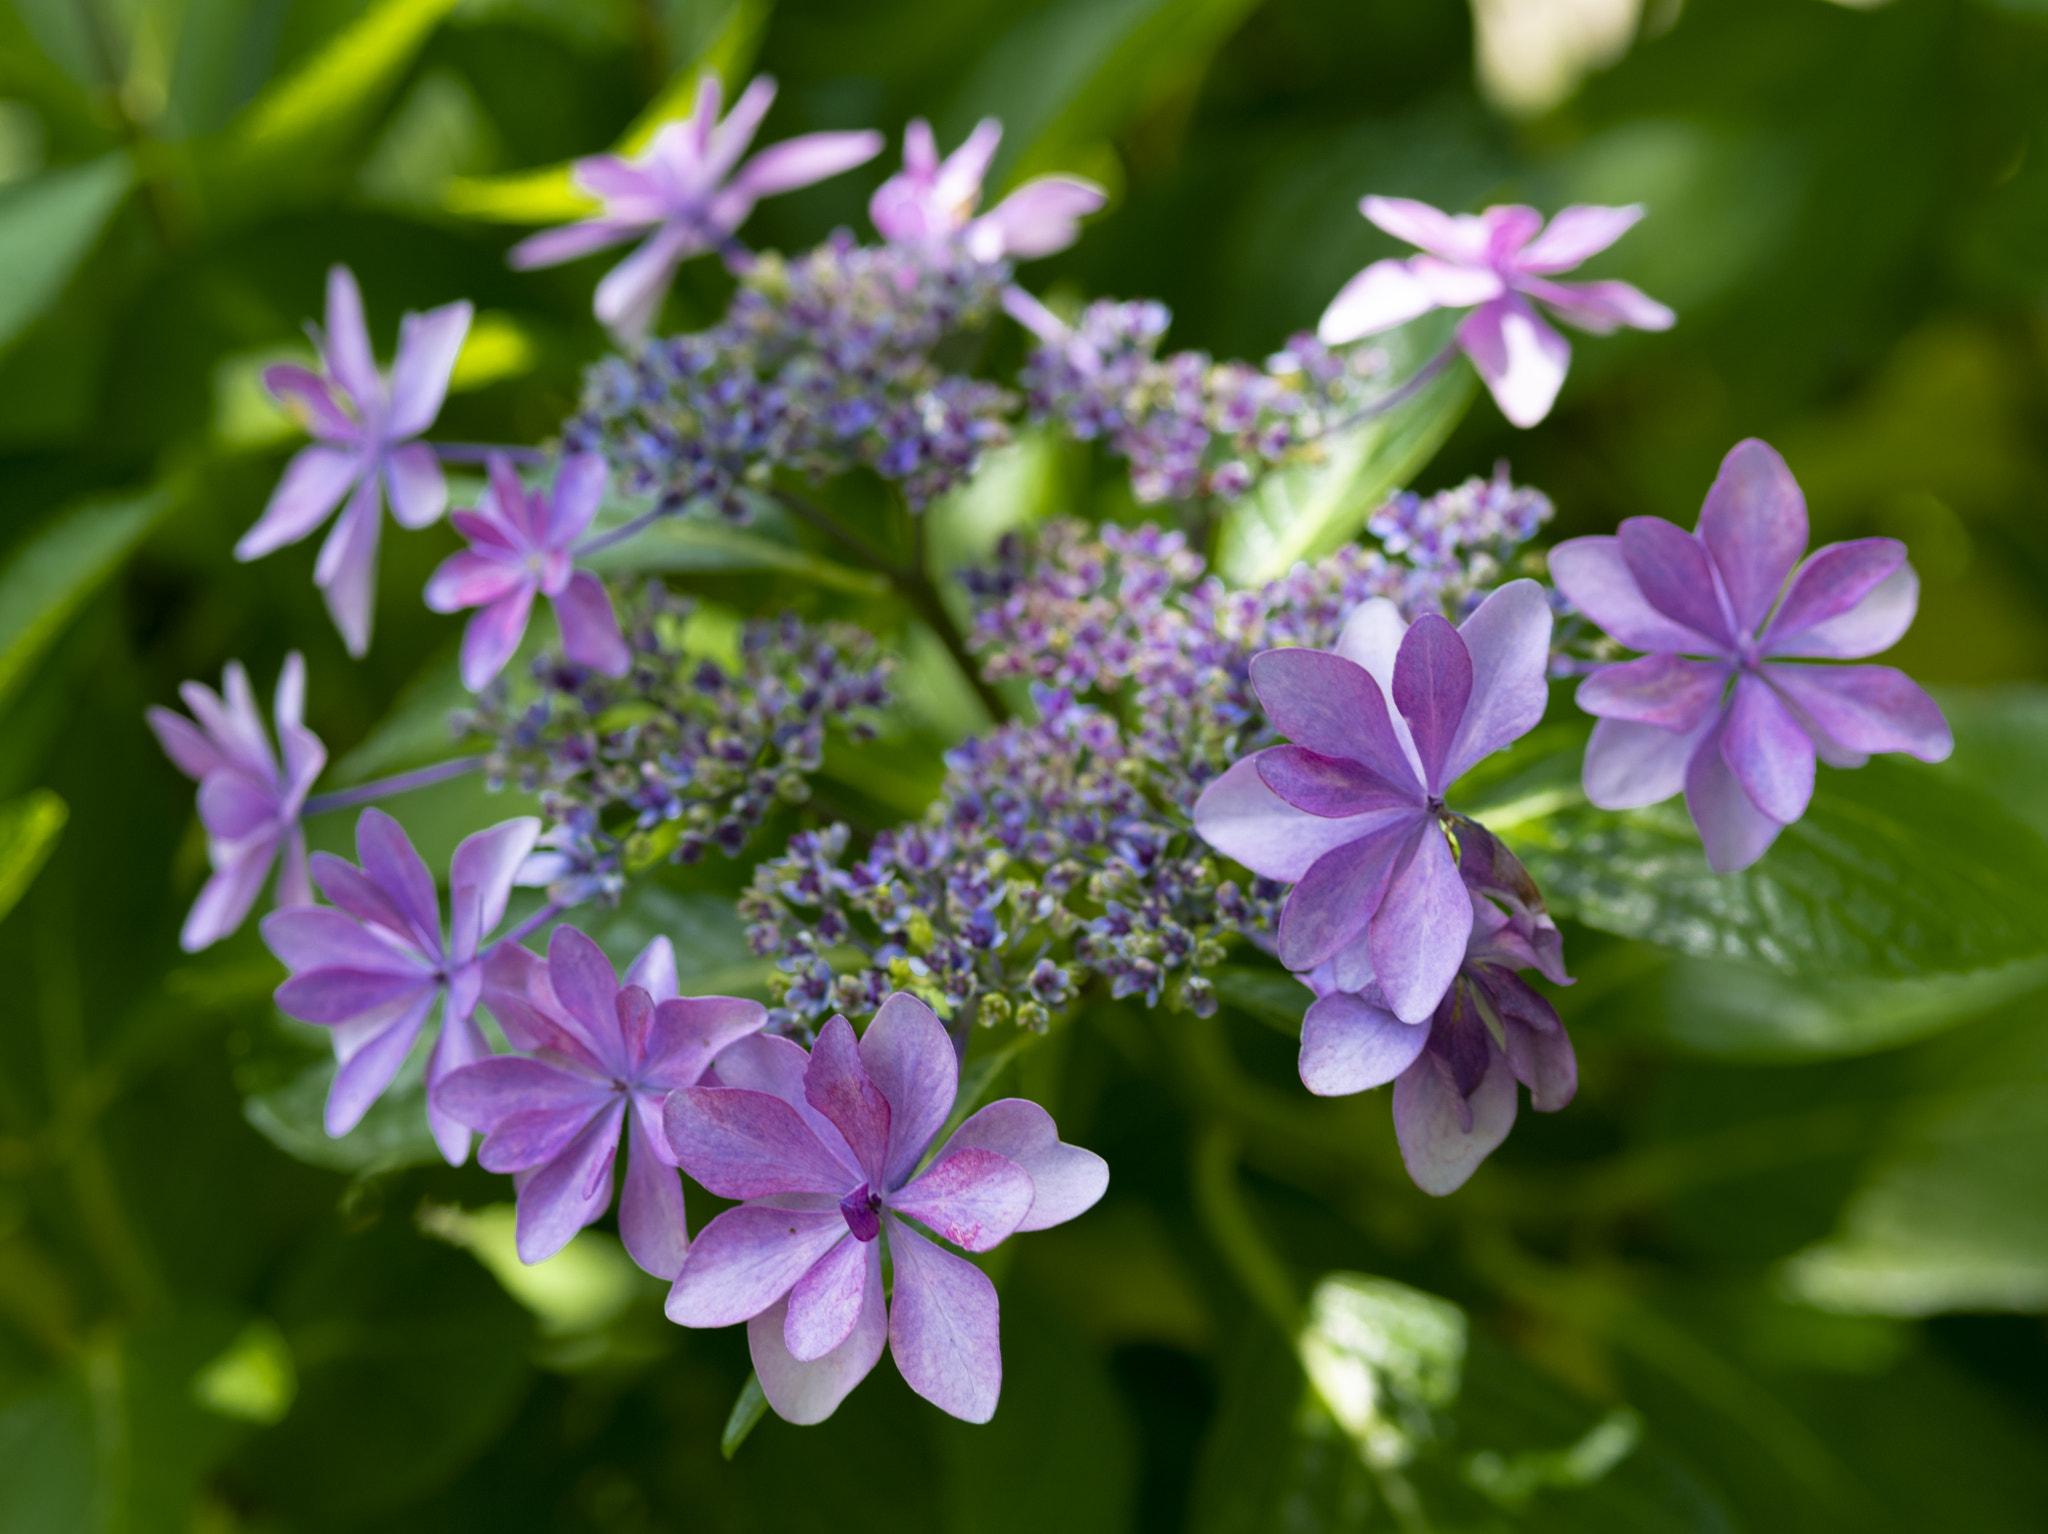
(1782, 1266)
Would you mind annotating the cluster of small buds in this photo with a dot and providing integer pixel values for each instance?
(680, 754)
(1043, 865)
(1468, 537)
(1190, 427)
(1128, 612)
(823, 363)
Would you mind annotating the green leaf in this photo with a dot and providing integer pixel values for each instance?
(677, 544)
(393, 1134)
(1953, 1215)
(1892, 873)
(1741, 1012)
(747, 1413)
(1275, 997)
(28, 834)
(578, 1290)
(302, 117)
(1306, 510)
(51, 576)
(48, 224)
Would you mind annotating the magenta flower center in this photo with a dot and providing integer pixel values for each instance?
(862, 1210)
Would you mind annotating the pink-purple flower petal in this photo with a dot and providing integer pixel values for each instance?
(826, 1303)
(1385, 294)
(1770, 755)
(1245, 820)
(1349, 1045)
(1520, 358)
(1832, 582)
(836, 1083)
(1332, 902)
(1866, 708)
(748, 1258)
(313, 484)
(1594, 576)
(1733, 830)
(590, 628)
(1599, 307)
(1333, 706)
(1575, 234)
(1444, 1136)
(944, 1330)
(1422, 925)
(560, 1197)
(1754, 525)
(908, 1055)
(1666, 690)
(806, 1393)
(1432, 685)
(1066, 1180)
(653, 1223)
(428, 345)
(1676, 574)
(1508, 640)
(746, 1144)
(417, 487)
(972, 1197)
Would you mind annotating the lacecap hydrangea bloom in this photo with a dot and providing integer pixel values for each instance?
(1497, 261)
(1352, 812)
(370, 967)
(691, 190)
(594, 1057)
(828, 1152)
(1722, 707)
(249, 804)
(366, 429)
(522, 544)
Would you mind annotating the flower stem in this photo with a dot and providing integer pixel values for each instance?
(533, 923)
(1419, 380)
(482, 452)
(912, 584)
(384, 788)
(617, 534)
(1220, 1203)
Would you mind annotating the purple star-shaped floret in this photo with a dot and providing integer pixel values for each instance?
(931, 201)
(825, 1150)
(686, 189)
(1498, 260)
(1352, 812)
(594, 1057)
(1719, 708)
(521, 545)
(365, 430)
(1454, 1073)
(250, 807)
(370, 967)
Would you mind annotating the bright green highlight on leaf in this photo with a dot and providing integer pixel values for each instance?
(28, 833)
(1385, 1359)
(253, 1380)
(579, 1289)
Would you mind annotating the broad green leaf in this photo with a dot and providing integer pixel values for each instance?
(1953, 1214)
(51, 576)
(320, 103)
(392, 1134)
(28, 834)
(583, 1286)
(546, 195)
(1892, 873)
(1743, 1012)
(48, 224)
(1308, 509)
(679, 544)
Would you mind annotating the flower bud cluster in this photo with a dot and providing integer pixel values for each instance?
(1044, 864)
(1466, 538)
(682, 753)
(824, 362)
(1189, 426)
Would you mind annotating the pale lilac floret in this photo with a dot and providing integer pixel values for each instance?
(690, 189)
(370, 967)
(1454, 1072)
(594, 1057)
(1352, 813)
(248, 803)
(932, 201)
(1495, 263)
(365, 426)
(825, 1149)
(522, 545)
(1719, 707)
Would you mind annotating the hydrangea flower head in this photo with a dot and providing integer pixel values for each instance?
(690, 189)
(931, 201)
(249, 805)
(826, 1150)
(594, 1057)
(1352, 812)
(522, 544)
(1494, 263)
(1454, 1073)
(1722, 706)
(365, 426)
(371, 966)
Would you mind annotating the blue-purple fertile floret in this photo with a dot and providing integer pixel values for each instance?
(682, 753)
(822, 364)
(1189, 426)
